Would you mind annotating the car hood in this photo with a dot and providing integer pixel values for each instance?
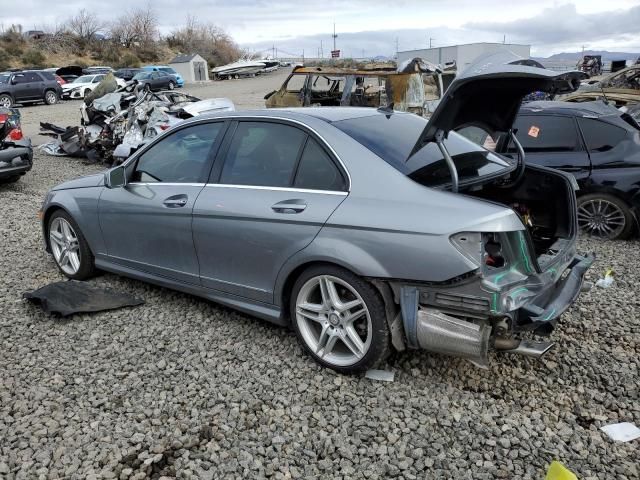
(489, 92)
(94, 180)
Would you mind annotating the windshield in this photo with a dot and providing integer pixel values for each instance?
(141, 75)
(4, 77)
(84, 79)
(392, 138)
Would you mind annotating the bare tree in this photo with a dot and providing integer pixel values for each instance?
(138, 27)
(85, 25)
(207, 39)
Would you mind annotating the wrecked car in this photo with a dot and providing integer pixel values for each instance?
(412, 89)
(84, 85)
(16, 153)
(361, 228)
(117, 123)
(621, 88)
(590, 64)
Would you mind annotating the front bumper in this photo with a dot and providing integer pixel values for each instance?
(71, 94)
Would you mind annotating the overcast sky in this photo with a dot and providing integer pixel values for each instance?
(372, 26)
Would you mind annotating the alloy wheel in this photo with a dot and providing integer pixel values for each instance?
(333, 320)
(51, 98)
(5, 101)
(65, 246)
(601, 218)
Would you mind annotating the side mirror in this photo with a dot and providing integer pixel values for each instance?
(116, 177)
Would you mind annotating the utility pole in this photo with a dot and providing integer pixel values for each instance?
(334, 36)
(321, 50)
(397, 48)
(430, 42)
(504, 39)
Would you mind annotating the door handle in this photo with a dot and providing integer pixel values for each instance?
(176, 201)
(289, 206)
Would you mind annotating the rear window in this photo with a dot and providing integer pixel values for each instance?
(546, 133)
(392, 137)
(601, 136)
(48, 75)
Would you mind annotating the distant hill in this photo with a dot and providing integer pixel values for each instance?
(575, 56)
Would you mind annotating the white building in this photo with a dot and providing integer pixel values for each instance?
(463, 55)
(193, 68)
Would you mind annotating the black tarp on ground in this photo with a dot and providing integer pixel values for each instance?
(67, 298)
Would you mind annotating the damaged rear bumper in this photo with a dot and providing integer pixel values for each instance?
(471, 318)
(16, 160)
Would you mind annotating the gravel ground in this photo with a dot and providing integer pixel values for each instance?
(183, 388)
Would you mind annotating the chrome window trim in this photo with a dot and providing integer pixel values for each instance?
(168, 184)
(276, 189)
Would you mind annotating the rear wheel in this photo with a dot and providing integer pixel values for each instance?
(6, 101)
(70, 249)
(604, 216)
(340, 319)
(50, 97)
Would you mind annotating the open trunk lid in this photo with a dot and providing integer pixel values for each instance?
(489, 92)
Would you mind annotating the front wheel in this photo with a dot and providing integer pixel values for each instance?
(50, 97)
(340, 319)
(171, 85)
(6, 101)
(70, 249)
(604, 216)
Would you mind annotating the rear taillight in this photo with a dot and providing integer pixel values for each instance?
(3, 118)
(15, 134)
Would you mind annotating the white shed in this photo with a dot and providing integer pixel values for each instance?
(193, 67)
(463, 55)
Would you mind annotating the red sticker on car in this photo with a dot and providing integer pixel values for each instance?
(534, 131)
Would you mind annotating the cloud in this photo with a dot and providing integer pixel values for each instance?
(563, 24)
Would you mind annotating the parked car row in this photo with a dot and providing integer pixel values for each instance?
(28, 86)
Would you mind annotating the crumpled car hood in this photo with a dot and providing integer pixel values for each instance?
(95, 180)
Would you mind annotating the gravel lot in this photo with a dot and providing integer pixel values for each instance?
(183, 388)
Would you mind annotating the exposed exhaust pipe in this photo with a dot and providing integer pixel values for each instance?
(531, 349)
(441, 333)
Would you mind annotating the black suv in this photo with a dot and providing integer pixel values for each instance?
(600, 146)
(127, 73)
(28, 86)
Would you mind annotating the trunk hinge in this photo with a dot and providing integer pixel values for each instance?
(439, 136)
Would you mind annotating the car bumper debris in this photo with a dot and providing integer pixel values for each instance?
(16, 153)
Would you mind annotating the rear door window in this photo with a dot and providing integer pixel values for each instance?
(317, 171)
(600, 136)
(262, 153)
(545, 133)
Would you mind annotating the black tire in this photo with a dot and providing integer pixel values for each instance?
(379, 347)
(591, 199)
(50, 97)
(7, 180)
(6, 100)
(87, 261)
(172, 85)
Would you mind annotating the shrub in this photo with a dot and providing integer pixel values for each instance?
(14, 49)
(33, 58)
(130, 60)
(4, 60)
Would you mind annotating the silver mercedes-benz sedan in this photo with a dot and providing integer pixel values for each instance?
(363, 229)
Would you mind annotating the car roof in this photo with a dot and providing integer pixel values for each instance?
(326, 114)
(596, 108)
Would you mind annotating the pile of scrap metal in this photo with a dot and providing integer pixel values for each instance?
(117, 123)
(590, 64)
(621, 88)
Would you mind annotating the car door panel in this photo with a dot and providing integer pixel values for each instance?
(147, 226)
(243, 235)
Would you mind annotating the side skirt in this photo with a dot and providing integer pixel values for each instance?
(270, 313)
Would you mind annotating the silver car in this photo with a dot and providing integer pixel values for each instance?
(363, 229)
